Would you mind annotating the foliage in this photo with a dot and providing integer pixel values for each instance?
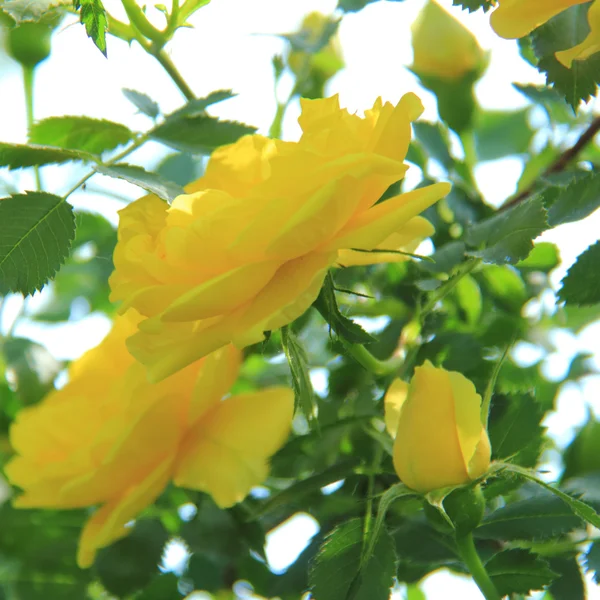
(487, 290)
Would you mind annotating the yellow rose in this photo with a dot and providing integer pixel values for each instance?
(246, 251)
(110, 438)
(442, 46)
(436, 419)
(517, 18)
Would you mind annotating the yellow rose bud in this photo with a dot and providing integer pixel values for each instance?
(440, 440)
(110, 438)
(517, 18)
(247, 250)
(442, 46)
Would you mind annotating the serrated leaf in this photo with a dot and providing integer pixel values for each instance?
(507, 237)
(142, 102)
(200, 134)
(592, 561)
(569, 585)
(539, 517)
(80, 133)
(334, 573)
(519, 572)
(152, 182)
(581, 285)
(17, 156)
(93, 15)
(576, 201)
(198, 106)
(544, 257)
(296, 357)
(36, 231)
(473, 5)
(566, 30)
(347, 329)
(29, 10)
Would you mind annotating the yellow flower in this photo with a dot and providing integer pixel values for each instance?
(517, 18)
(110, 438)
(440, 440)
(246, 251)
(442, 46)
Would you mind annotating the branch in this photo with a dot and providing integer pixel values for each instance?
(560, 163)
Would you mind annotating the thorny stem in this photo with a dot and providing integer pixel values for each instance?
(560, 163)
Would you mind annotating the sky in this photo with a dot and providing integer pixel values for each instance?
(230, 47)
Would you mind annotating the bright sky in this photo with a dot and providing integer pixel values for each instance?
(231, 46)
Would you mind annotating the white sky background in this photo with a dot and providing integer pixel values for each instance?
(224, 51)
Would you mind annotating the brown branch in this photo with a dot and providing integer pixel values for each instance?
(560, 163)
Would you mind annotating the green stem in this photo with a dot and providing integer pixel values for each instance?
(377, 454)
(167, 64)
(468, 553)
(28, 84)
(138, 19)
(369, 362)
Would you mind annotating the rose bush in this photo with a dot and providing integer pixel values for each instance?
(246, 251)
(440, 440)
(110, 438)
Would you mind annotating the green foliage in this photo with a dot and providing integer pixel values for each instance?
(592, 561)
(93, 15)
(17, 156)
(435, 140)
(142, 102)
(36, 230)
(569, 585)
(79, 133)
(198, 106)
(581, 284)
(473, 5)
(502, 133)
(519, 572)
(582, 456)
(336, 572)
(575, 201)
(356, 5)
(507, 237)
(151, 182)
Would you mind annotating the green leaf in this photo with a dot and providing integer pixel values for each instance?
(566, 30)
(581, 285)
(36, 230)
(30, 10)
(334, 573)
(582, 455)
(552, 102)
(539, 517)
(570, 584)
(505, 286)
(502, 133)
(468, 297)
(515, 430)
(519, 572)
(93, 15)
(17, 156)
(142, 102)
(347, 329)
(436, 142)
(576, 201)
(181, 168)
(198, 106)
(152, 182)
(33, 368)
(200, 134)
(356, 5)
(80, 133)
(131, 563)
(296, 357)
(162, 587)
(206, 574)
(544, 258)
(473, 5)
(507, 236)
(592, 561)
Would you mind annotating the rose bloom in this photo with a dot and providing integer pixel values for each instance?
(440, 440)
(517, 18)
(247, 250)
(110, 438)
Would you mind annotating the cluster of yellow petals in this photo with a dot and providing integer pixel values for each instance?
(440, 440)
(516, 18)
(110, 438)
(247, 249)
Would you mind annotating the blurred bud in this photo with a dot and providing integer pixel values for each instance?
(442, 46)
(440, 438)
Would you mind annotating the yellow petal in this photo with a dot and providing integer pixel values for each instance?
(516, 18)
(108, 523)
(394, 399)
(405, 240)
(227, 452)
(375, 225)
(590, 45)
